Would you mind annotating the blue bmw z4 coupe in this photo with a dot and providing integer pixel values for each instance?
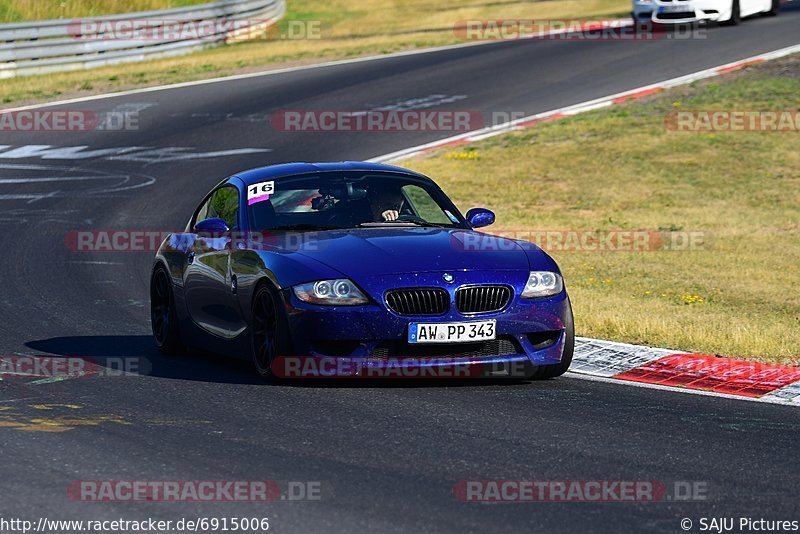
(358, 262)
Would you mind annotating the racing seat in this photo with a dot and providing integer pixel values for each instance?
(263, 216)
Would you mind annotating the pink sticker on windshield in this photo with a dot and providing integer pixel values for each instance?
(260, 192)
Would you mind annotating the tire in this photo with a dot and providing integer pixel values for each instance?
(775, 10)
(163, 317)
(269, 330)
(544, 372)
(736, 15)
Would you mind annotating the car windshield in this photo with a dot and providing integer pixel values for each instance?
(345, 200)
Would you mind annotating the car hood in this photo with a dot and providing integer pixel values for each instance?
(380, 251)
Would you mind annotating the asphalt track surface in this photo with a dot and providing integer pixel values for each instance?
(388, 456)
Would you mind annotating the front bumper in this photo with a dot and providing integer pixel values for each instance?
(689, 11)
(529, 331)
(642, 10)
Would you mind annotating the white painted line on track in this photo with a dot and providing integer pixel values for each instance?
(606, 101)
(598, 360)
(283, 70)
(766, 398)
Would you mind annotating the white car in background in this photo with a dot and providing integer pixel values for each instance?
(689, 11)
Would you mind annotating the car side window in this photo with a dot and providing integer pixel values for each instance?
(423, 205)
(202, 212)
(222, 204)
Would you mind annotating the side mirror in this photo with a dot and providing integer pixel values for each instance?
(211, 226)
(480, 217)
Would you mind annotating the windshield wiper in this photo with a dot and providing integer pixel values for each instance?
(421, 224)
(304, 228)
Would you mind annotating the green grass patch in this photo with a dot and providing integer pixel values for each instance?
(347, 28)
(621, 168)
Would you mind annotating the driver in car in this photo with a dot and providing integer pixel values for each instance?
(385, 202)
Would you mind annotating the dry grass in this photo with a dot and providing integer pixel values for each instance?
(24, 10)
(620, 168)
(348, 28)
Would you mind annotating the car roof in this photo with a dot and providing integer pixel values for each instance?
(260, 174)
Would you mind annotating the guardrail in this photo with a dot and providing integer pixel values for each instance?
(60, 45)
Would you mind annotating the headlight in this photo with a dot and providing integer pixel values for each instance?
(542, 284)
(341, 292)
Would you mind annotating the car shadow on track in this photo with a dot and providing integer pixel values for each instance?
(139, 355)
(400, 383)
(132, 354)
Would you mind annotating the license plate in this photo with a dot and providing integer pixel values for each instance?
(452, 332)
(675, 9)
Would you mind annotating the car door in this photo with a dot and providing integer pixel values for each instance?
(207, 282)
(750, 6)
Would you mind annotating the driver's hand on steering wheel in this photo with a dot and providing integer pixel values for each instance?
(390, 215)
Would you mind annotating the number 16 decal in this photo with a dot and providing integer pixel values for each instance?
(260, 192)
